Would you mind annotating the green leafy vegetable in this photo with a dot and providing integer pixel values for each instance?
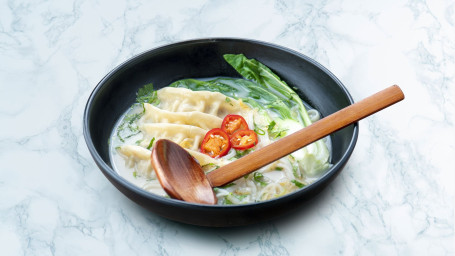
(232, 196)
(211, 165)
(254, 70)
(240, 197)
(151, 143)
(314, 158)
(128, 127)
(258, 177)
(215, 85)
(271, 126)
(258, 130)
(295, 171)
(241, 153)
(298, 183)
(147, 94)
(228, 185)
(227, 201)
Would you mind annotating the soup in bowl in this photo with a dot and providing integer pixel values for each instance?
(220, 99)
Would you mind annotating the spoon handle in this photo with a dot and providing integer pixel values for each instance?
(305, 136)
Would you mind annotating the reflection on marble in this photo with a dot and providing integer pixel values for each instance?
(395, 196)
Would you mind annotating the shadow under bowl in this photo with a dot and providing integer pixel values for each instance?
(203, 58)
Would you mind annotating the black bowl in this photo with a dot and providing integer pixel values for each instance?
(116, 92)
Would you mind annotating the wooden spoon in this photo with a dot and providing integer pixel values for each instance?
(182, 177)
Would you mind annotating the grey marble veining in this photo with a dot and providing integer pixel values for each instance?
(395, 196)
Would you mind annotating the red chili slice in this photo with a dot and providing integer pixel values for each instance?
(233, 123)
(216, 143)
(244, 139)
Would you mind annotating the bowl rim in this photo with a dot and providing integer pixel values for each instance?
(107, 170)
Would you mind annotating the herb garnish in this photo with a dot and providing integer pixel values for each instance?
(271, 126)
(228, 185)
(151, 143)
(146, 94)
(258, 177)
(298, 184)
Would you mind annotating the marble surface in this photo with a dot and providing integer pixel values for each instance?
(395, 196)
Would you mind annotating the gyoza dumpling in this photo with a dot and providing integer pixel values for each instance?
(139, 158)
(185, 100)
(156, 115)
(184, 117)
(187, 136)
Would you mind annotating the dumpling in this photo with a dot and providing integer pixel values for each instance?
(156, 115)
(184, 117)
(187, 136)
(139, 158)
(185, 100)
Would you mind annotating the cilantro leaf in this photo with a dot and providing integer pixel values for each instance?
(147, 94)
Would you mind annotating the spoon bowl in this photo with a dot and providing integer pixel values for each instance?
(180, 175)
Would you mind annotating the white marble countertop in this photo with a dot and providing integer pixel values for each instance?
(395, 196)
